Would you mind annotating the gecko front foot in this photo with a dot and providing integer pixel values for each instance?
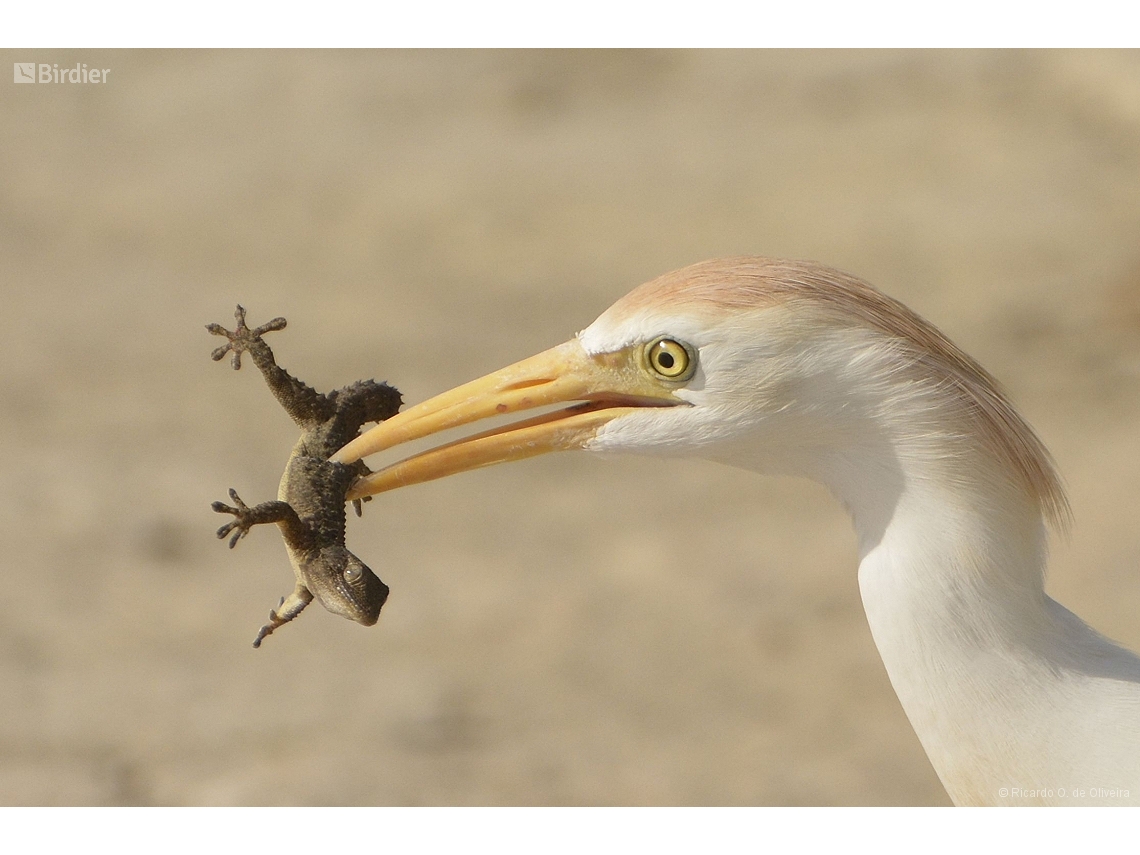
(240, 526)
(286, 610)
(242, 337)
(247, 517)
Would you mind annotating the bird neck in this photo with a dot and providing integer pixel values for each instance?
(951, 575)
(952, 548)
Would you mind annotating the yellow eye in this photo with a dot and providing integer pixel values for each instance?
(671, 359)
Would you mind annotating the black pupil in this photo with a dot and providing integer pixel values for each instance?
(665, 359)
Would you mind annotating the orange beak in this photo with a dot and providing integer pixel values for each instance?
(599, 388)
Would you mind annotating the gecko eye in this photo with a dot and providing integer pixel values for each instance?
(352, 574)
(670, 359)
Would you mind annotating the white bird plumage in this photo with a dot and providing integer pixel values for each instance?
(800, 369)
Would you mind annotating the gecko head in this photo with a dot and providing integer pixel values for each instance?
(345, 586)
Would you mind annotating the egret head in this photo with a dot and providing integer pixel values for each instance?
(770, 364)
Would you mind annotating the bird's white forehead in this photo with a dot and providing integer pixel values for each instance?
(614, 331)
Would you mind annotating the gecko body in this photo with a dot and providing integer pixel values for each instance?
(309, 509)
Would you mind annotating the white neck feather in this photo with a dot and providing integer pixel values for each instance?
(1005, 688)
(1014, 698)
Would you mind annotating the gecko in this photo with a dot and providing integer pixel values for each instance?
(310, 506)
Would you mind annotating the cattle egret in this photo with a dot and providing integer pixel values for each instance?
(794, 368)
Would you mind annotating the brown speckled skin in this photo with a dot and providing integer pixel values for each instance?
(310, 501)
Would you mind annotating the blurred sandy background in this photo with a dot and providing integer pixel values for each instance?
(427, 217)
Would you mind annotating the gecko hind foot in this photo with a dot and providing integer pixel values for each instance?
(242, 336)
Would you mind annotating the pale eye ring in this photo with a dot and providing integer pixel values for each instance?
(670, 359)
(352, 574)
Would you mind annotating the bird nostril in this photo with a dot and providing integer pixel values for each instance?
(527, 384)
